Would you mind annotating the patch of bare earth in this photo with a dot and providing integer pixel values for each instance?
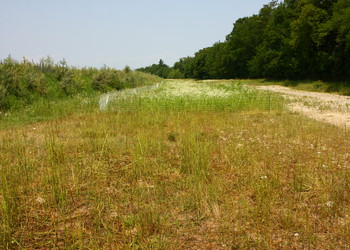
(329, 108)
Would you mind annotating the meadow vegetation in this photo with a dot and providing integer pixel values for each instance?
(202, 96)
(252, 176)
(26, 83)
(31, 92)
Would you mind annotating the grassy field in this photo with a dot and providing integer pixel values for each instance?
(241, 174)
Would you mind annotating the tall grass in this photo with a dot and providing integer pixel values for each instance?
(251, 178)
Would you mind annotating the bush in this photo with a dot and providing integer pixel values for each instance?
(23, 83)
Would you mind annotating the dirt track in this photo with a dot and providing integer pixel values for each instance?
(330, 108)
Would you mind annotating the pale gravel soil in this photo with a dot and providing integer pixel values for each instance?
(329, 108)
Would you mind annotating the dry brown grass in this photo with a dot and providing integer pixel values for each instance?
(175, 180)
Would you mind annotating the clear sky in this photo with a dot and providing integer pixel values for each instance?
(116, 32)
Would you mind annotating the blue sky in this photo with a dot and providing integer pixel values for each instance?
(116, 33)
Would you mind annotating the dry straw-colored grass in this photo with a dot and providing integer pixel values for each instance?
(252, 179)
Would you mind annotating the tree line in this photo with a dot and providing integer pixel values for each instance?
(293, 39)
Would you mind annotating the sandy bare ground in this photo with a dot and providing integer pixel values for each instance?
(330, 108)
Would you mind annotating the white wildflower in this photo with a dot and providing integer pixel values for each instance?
(114, 214)
(329, 203)
(40, 200)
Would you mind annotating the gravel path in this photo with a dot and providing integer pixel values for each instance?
(330, 108)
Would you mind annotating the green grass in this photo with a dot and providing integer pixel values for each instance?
(24, 84)
(342, 88)
(44, 110)
(150, 178)
(198, 96)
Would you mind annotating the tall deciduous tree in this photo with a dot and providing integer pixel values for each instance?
(294, 39)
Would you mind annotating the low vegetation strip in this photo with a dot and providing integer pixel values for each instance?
(123, 94)
(196, 96)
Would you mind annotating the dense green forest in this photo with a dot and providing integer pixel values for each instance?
(293, 39)
(23, 83)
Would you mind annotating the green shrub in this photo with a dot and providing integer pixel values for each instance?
(23, 83)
